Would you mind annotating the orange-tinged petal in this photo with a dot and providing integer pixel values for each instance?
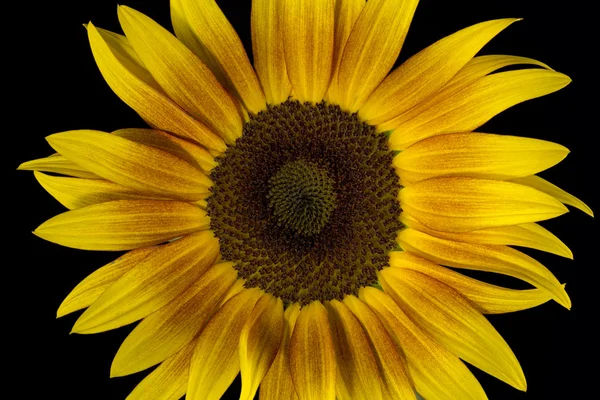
(308, 34)
(157, 280)
(267, 47)
(392, 365)
(59, 165)
(437, 373)
(459, 204)
(140, 91)
(473, 105)
(89, 289)
(544, 186)
(184, 149)
(346, 14)
(490, 258)
(215, 33)
(486, 298)
(428, 71)
(278, 384)
(181, 74)
(215, 362)
(526, 235)
(312, 355)
(453, 322)
(123, 224)
(259, 343)
(372, 48)
(77, 192)
(477, 155)
(357, 373)
(133, 165)
(168, 330)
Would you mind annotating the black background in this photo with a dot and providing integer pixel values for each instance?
(52, 84)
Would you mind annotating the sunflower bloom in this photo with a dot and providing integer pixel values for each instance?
(293, 221)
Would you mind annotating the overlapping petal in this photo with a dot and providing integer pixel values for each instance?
(59, 165)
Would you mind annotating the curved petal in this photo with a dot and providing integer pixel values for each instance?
(346, 14)
(486, 298)
(59, 165)
(259, 343)
(428, 71)
(526, 235)
(308, 34)
(277, 384)
(193, 154)
(157, 280)
(391, 362)
(477, 155)
(474, 105)
(457, 204)
(76, 192)
(544, 186)
(138, 89)
(357, 373)
(123, 224)
(437, 373)
(168, 330)
(89, 289)
(215, 33)
(452, 321)
(372, 48)
(181, 74)
(497, 259)
(216, 362)
(312, 355)
(267, 46)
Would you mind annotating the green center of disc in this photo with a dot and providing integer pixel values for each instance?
(302, 197)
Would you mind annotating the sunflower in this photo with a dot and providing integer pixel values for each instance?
(294, 221)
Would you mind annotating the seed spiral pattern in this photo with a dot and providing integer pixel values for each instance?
(305, 202)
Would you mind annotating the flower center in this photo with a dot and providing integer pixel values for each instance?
(305, 202)
(301, 197)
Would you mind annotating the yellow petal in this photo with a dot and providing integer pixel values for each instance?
(185, 33)
(193, 154)
(146, 169)
(474, 105)
(372, 48)
(357, 374)
(59, 165)
(168, 381)
(392, 365)
(216, 362)
(526, 235)
(267, 47)
(123, 224)
(168, 330)
(308, 34)
(77, 192)
(346, 14)
(211, 28)
(457, 204)
(259, 343)
(486, 298)
(138, 89)
(89, 289)
(157, 280)
(477, 155)
(453, 322)
(181, 74)
(490, 258)
(544, 186)
(437, 373)
(312, 355)
(428, 71)
(277, 384)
